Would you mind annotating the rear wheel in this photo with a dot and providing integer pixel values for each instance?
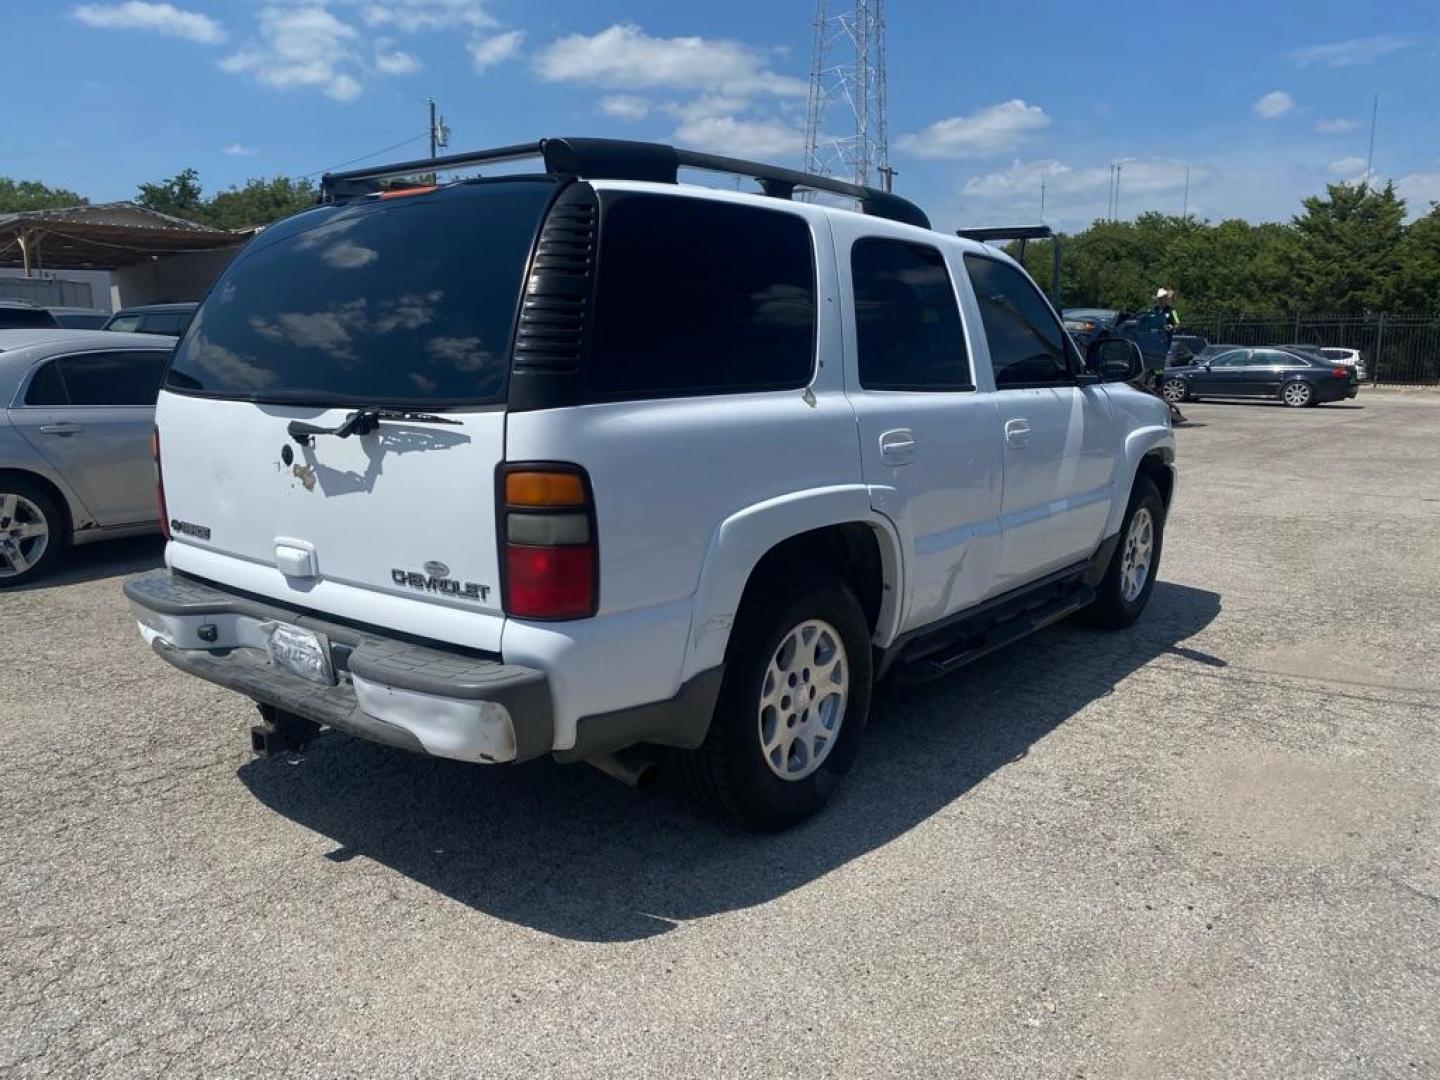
(1297, 394)
(32, 531)
(1130, 578)
(792, 707)
(1174, 390)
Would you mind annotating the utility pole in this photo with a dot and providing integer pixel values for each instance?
(1370, 155)
(1185, 211)
(1118, 166)
(887, 176)
(1042, 198)
(439, 131)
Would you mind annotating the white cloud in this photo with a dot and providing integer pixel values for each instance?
(1274, 104)
(300, 47)
(393, 61)
(625, 106)
(1337, 126)
(624, 57)
(410, 16)
(236, 149)
(1419, 190)
(741, 137)
(161, 18)
(986, 131)
(1076, 195)
(1349, 168)
(487, 52)
(1349, 53)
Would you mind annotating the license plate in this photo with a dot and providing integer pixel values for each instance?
(301, 652)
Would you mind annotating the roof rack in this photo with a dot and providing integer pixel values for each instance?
(1023, 233)
(622, 159)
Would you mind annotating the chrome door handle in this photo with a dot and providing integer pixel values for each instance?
(897, 447)
(1017, 432)
(63, 428)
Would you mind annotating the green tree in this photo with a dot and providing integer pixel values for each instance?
(1347, 252)
(178, 196)
(33, 195)
(1418, 289)
(260, 202)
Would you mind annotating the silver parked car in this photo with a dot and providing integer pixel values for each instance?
(77, 410)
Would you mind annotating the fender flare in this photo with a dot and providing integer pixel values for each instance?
(1138, 444)
(741, 540)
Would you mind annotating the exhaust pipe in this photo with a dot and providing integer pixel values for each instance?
(630, 767)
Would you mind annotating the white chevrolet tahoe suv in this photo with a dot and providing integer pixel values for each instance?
(588, 462)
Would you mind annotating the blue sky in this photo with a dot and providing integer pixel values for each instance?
(1263, 102)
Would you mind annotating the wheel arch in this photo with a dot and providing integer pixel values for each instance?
(52, 489)
(836, 528)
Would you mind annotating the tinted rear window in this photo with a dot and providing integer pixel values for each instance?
(403, 301)
(165, 322)
(20, 318)
(700, 297)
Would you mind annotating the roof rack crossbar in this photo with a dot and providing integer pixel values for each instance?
(621, 159)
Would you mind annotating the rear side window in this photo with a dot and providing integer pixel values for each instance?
(1027, 343)
(131, 377)
(23, 318)
(907, 322)
(46, 387)
(700, 297)
(125, 324)
(165, 322)
(409, 301)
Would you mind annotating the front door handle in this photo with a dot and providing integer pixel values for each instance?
(62, 428)
(897, 447)
(1017, 432)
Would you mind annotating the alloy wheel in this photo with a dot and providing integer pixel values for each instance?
(24, 534)
(1139, 553)
(802, 700)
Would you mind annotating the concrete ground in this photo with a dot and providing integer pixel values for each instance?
(1208, 846)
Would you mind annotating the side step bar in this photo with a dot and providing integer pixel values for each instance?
(958, 646)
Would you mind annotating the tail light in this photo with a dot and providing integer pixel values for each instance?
(159, 483)
(1340, 372)
(547, 524)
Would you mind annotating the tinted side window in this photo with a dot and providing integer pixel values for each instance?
(906, 320)
(1233, 358)
(47, 387)
(1027, 344)
(700, 297)
(22, 318)
(165, 322)
(124, 323)
(114, 378)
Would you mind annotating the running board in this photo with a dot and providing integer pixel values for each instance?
(923, 664)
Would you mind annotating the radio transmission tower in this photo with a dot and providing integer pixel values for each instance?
(845, 122)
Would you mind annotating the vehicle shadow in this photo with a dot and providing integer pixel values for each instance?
(567, 851)
(104, 559)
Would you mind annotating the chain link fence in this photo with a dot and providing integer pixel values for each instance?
(1402, 350)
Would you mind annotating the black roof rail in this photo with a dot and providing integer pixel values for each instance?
(1023, 233)
(622, 159)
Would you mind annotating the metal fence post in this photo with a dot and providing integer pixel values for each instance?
(1297, 328)
(1379, 340)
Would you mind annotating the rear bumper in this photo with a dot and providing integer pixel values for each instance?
(431, 700)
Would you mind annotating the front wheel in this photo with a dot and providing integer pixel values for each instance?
(792, 707)
(1297, 394)
(1130, 578)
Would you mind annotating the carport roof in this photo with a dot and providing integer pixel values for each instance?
(105, 236)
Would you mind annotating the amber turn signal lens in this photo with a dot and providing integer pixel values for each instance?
(544, 489)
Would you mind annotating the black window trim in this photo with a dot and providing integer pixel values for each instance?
(1073, 359)
(967, 387)
(55, 358)
(608, 197)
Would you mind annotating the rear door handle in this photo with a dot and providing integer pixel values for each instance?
(1017, 432)
(62, 428)
(897, 447)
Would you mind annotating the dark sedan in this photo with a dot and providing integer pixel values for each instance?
(1295, 378)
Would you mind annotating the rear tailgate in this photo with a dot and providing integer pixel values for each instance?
(403, 302)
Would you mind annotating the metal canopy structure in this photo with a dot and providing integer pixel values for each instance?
(106, 236)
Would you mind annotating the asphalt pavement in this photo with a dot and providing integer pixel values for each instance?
(1207, 846)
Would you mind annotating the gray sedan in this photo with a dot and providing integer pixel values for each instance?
(77, 408)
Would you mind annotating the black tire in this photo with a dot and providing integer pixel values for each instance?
(1173, 382)
(1308, 399)
(1111, 610)
(730, 770)
(55, 524)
